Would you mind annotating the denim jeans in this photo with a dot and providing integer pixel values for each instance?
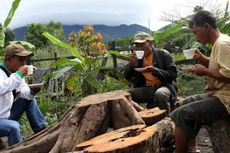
(12, 130)
(33, 113)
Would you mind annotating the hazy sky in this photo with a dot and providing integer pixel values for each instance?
(148, 13)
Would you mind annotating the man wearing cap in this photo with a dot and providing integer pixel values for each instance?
(155, 85)
(12, 83)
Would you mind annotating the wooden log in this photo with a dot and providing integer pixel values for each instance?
(2, 145)
(132, 139)
(151, 116)
(166, 128)
(88, 118)
(124, 114)
(219, 134)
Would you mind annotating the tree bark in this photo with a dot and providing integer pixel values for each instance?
(87, 119)
(151, 116)
(2, 145)
(90, 117)
(132, 139)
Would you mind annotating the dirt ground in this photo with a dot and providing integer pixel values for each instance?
(203, 142)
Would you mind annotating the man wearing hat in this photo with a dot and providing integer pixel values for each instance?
(13, 85)
(155, 84)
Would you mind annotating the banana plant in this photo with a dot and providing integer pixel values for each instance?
(82, 69)
(7, 21)
(166, 31)
(223, 23)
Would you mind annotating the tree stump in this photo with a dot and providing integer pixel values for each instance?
(2, 145)
(151, 116)
(90, 117)
(219, 134)
(132, 139)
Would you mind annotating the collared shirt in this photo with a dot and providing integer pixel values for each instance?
(7, 85)
(219, 59)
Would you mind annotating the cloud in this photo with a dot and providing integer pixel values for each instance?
(109, 12)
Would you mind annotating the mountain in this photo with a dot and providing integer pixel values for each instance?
(109, 32)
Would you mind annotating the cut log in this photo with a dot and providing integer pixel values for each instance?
(219, 134)
(151, 116)
(133, 139)
(88, 118)
(124, 114)
(166, 128)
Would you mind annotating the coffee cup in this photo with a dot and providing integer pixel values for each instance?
(139, 54)
(30, 69)
(189, 53)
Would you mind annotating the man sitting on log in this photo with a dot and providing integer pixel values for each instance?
(207, 108)
(152, 72)
(16, 97)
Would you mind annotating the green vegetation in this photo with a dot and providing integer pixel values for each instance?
(35, 37)
(7, 22)
(84, 73)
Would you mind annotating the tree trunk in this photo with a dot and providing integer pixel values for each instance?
(90, 117)
(87, 119)
(151, 116)
(2, 145)
(219, 133)
(132, 139)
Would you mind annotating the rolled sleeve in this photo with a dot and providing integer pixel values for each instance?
(225, 72)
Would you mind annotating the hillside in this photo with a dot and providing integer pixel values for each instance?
(109, 32)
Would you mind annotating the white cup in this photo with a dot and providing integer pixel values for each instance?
(189, 53)
(30, 69)
(139, 54)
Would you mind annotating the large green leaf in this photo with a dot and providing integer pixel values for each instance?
(11, 13)
(2, 36)
(60, 62)
(91, 79)
(57, 74)
(166, 31)
(56, 41)
(71, 83)
(114, 52)
(117, 53)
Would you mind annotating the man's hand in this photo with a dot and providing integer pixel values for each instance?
(147, 69)
(199, 70)
(197, 54)
(23, 69)
(132, 59)
(204, 60)
(35, 90)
